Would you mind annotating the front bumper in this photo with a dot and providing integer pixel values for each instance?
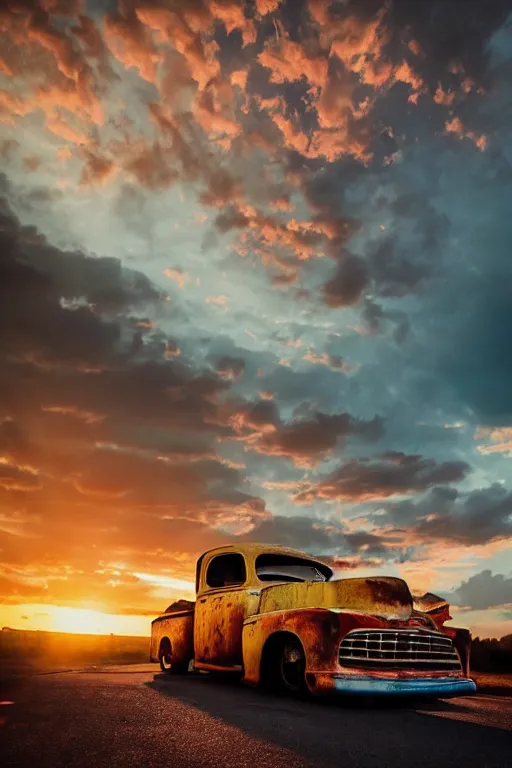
(439, 687)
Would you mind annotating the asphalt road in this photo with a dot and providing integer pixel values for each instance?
(133, 716)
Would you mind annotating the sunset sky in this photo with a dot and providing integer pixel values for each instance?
(255, 284)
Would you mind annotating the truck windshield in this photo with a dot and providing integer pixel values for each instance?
(288, 568)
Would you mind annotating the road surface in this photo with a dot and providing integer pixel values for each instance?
(134, 716)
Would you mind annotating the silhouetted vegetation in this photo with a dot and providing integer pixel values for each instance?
(491, 654)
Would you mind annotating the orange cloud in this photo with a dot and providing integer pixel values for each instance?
(231, 14)
(292, 134)
(499, 437)
(12, 104)
(403, 73)
(288, 62)
(334, 362)
(219, 301)
(131, 44)
(97, 169)
(222, 189)
(415, 47)
(151, 164)
(213, 110)
(182, 30)
(267, 6)
(58, 126)
(446, 98)
(63, 7)
(88, 417)
(179, 277)
(239, 78)
(172, 349)
(92, 42)
(455, 126)
(358, 44)
(5, 69)
(18, 478)
(276, 485)
(332, 144)
(68, 60)
(78, 98)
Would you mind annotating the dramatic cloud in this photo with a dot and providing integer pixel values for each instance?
(305, 441)
(392, 474)
(445, 514)
(484, 590)
(254, 285)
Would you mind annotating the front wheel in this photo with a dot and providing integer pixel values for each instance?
(284, 666)
(292, 667)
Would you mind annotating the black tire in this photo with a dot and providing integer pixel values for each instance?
(167, 665)
(284, 666)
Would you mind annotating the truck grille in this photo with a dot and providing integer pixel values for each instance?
(398, 649)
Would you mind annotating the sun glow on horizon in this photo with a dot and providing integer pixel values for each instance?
(84, 621)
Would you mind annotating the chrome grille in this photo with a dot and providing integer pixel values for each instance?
(398, 649)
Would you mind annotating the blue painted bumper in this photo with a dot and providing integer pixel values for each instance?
(440, 687)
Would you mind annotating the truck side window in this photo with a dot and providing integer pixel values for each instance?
(226, 571)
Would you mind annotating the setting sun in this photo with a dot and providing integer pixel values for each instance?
(85, 621)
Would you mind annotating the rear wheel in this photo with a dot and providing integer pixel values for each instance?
(167, 665)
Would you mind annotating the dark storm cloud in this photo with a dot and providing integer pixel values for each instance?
(51, 303)
(445, 514)
(304, 440)
(314, 536)
(396, 264)
(390, 474)
(347, 284)
(394, 272)
(446, 34)
(484, 590)
(230, 367)
(130, 429)
(377, 320)
(481, 516)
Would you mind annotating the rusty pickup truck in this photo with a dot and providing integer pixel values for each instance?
(276, 617)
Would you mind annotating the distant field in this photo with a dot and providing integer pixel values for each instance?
(493, 683)
(21, 649)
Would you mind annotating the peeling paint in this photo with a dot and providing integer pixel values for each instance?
(232, 627)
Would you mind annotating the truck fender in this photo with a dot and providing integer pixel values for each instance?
(317, 629)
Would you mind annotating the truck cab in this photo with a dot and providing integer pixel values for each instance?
(229, 585)
(277, 617)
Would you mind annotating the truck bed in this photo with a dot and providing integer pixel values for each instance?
(175, 626)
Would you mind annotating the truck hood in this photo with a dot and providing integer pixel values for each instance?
(385, 596)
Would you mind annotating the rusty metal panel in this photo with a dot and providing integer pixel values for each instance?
(218, 625)
(179, 629)
(382, 596)
(319, 631)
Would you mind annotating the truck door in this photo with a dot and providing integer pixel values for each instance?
(220, 611)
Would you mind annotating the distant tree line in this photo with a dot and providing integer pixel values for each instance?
(491, 654)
